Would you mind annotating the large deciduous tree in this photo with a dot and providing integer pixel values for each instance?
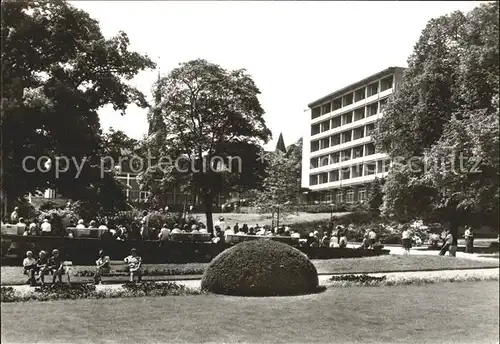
(57, 71)
(445, 117)
(212, 119)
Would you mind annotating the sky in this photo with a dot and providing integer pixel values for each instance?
(296, 52)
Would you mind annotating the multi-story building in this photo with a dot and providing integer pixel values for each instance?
(339, 156)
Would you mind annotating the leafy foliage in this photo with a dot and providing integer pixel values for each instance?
(57, 71)
(444, 112)
(212, 114)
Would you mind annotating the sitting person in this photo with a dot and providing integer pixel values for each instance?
(241, 232)
(227, 232)
(134, 263)
(30, 267)
(176, 229)
(33, 227)
(325, 241)
(42, 266)
(251, 231)
(55, 263)
(194, 229)
(102, 267)
(261, 231)
(80, 224)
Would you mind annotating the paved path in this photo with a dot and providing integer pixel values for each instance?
(323, 279)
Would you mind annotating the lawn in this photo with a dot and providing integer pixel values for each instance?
(406, 314)
(252, 219)
(12, 275)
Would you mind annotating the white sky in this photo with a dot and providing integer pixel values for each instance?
(296, 51)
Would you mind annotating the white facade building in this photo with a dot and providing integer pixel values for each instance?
(339, 155)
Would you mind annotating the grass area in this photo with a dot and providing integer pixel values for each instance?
(266, 219)
(347, 315)
(12, 275)
(396, 263)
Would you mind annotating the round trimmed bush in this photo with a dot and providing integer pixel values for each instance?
(260, 268)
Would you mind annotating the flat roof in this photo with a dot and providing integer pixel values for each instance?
(355, 85)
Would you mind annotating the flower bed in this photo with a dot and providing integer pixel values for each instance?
(88, 291)
(372, 281)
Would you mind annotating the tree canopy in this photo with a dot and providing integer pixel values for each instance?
(57, 71)
(212, 119)
(444, 113)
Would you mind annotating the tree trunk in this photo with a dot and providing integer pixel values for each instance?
(208, 213)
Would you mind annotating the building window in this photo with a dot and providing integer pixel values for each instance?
(347, 118)
(325, 126)
(361, 194)
(324, 160)
(359, 114)
(357, 171)
(346, 136)
(386, 83)
(335, 140)
(369, 129)
(359, 133)
(314, 146)
(370, 169)
(369, 149)
(359, 94)
(313, 180)
(346, 155)
(314, 162)
(337, 104)
(327, 108)
(314, 129)
(372, 89)
(323, 178)
(357, 152)
(372, 109)
(336, 122)
(334, 176)
(349, 196)
(348, 99)
(346, 173)
(339, 197)
(334, 158)
(316, 112)
(325, 143)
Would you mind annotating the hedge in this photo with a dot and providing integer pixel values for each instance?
(260, 268)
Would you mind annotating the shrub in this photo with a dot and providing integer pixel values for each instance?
(260, 268)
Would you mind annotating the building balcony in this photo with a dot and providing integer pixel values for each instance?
(349, 163)
(340, 147)
(348, 182)
(353, 106)
(352, 125)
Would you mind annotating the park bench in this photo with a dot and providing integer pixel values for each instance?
(234, 239)
(67, 270)
(11, 229)
(85, 232)
(190, 237)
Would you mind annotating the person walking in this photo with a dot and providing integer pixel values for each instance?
(469, 239)
(448, 240)
(406, 238)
